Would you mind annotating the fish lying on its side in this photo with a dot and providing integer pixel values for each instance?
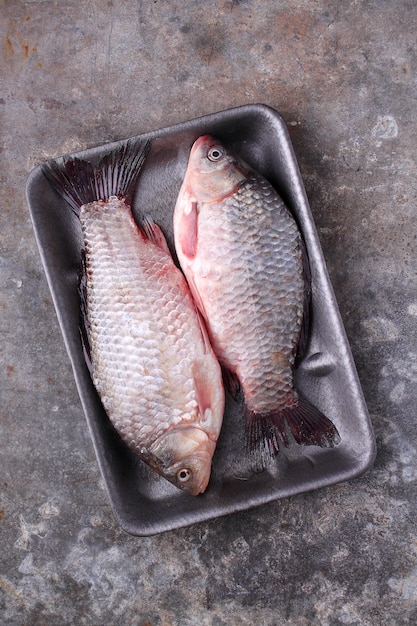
(244, 259)
(147, 348)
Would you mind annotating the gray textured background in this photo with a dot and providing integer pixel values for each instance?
(75, 74)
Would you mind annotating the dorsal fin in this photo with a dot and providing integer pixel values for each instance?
(154, 233)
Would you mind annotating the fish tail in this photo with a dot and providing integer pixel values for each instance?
(81, 182)
(265, 432)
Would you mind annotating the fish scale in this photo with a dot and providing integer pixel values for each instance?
(261, 379)
(115, 270)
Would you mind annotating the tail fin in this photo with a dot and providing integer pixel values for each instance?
(308, 426)
(81, 182)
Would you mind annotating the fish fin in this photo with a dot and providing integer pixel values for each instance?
(208, 384)
(305, 324)
(80, 182)
(307, 425)
(202, 384)
(84, 326)
(188, 226)
(204, 333)
(197, 298)
(262, 440)
(232, 383)
(209, 391)
(58, 175)
(154, 233)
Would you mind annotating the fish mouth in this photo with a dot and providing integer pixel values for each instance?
(205, 139)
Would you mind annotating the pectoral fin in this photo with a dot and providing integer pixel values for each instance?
(188, 226)
(210, 393)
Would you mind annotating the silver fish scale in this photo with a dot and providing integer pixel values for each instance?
(256, 316)
(141, 372)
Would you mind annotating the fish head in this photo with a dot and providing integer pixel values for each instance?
(213, 172)
(183, 456)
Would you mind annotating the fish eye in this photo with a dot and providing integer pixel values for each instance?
(215, 154)
(184, 475)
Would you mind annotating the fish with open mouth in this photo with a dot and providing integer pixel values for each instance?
(144, 340)
(245, 261)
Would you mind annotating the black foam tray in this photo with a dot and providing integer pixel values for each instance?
(143, 502)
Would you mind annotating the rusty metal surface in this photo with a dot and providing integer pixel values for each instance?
(80, 74)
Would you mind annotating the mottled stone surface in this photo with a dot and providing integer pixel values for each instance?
(80, 73)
